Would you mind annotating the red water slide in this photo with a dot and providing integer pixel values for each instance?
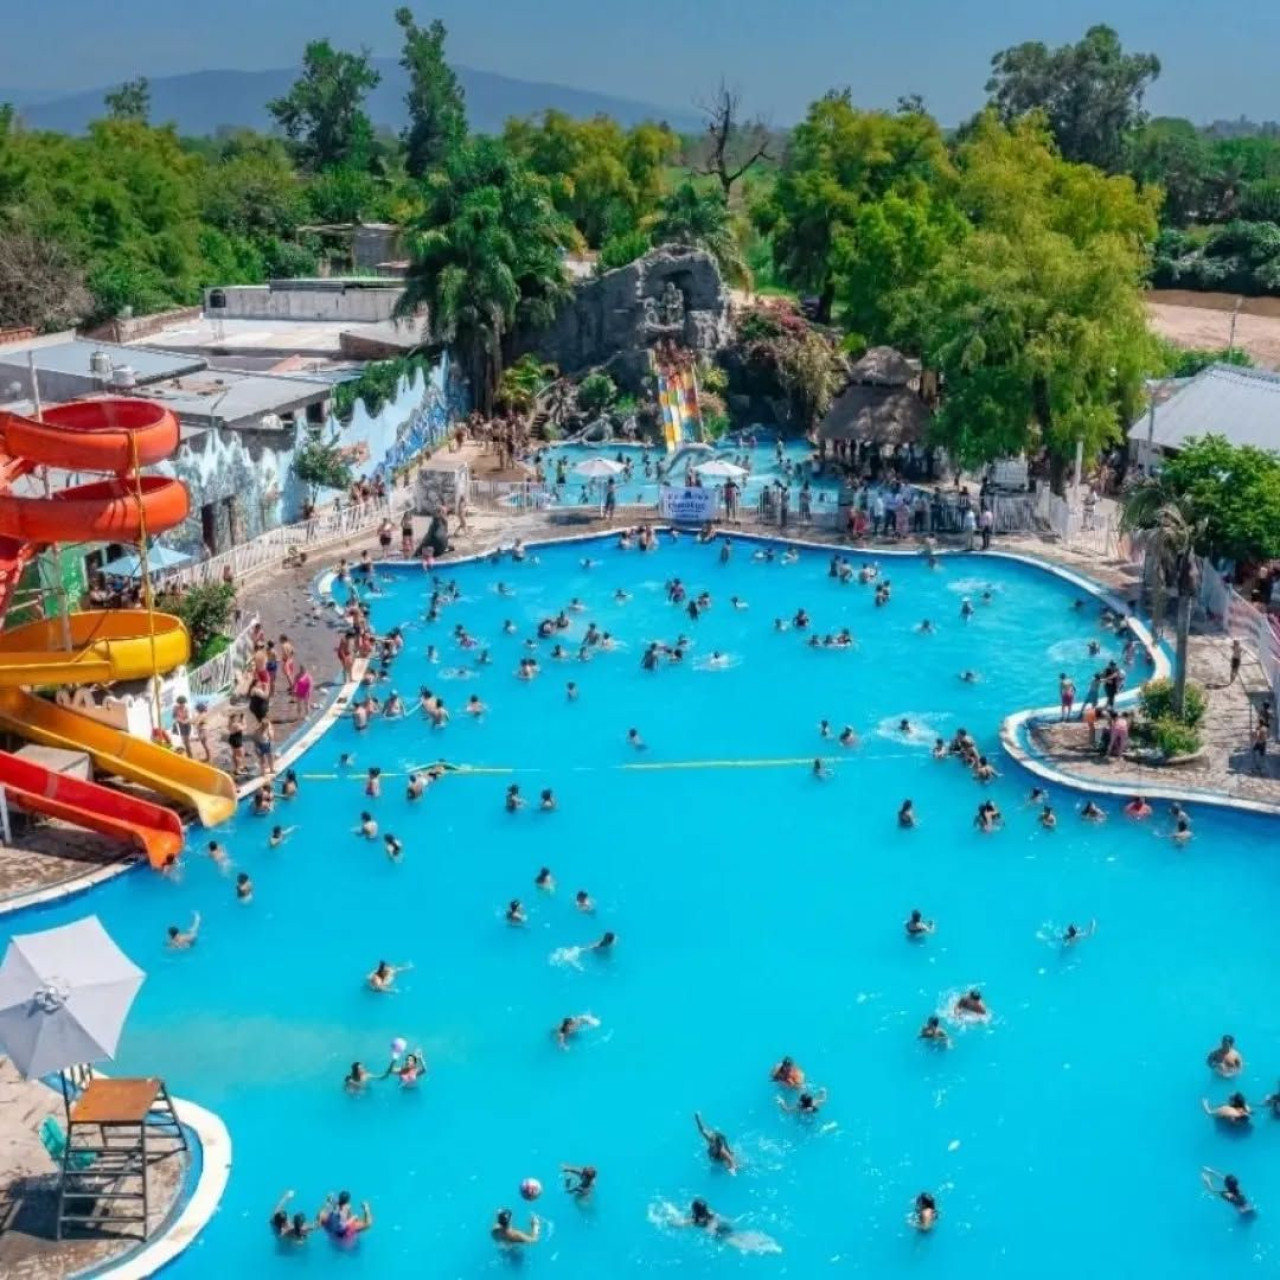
(151, 828)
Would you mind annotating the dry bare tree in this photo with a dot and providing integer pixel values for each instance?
(732, 146)
(40, 283)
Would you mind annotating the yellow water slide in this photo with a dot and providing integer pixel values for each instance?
(106, 645)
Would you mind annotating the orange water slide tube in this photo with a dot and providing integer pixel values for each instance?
(150, 828)
(104, 511)
(92, 435)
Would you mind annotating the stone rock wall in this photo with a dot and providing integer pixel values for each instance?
(671, 294)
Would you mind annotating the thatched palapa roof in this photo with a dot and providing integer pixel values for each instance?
(884, 367)
(877, 415)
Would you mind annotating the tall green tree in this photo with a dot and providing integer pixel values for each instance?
(698, 217)
(606, 179)
(1036, 317)
(1237, 490)
(839, 160)
(131, 101)
(1173, 155)
(486, 256)
(437, 109)
(1090, 92)
(323, 113)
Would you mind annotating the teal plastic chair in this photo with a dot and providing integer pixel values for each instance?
(54, 1141)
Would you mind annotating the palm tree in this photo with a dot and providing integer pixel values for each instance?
(486, 257)
(1170, 530)
(694, 217)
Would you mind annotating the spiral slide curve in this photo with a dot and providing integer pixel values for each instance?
(114, 437)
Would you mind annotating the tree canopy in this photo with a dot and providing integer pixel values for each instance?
(437, 110)
(1090, 92)
(323, 113)
(1236, 491)
(486, 253)
(131, 101)
(697, 217)
(1035, 317)
(607, 180)
(841, 159)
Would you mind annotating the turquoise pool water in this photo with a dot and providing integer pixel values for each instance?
(759, 912)
(764, 470)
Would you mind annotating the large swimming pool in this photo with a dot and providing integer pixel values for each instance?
(759, 913)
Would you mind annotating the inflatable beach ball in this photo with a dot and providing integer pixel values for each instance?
(531, 1188)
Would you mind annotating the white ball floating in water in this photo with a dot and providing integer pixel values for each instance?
(531, 1188)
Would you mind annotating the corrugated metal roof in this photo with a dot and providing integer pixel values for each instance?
(72, 357)
(1223, 400)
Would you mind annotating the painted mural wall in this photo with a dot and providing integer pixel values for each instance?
(242, 482)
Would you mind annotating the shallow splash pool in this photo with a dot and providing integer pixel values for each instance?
(642, 489)
(758, 913)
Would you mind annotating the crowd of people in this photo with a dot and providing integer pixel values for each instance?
(274, 664)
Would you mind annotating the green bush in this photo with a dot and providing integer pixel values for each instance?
(1157, 703)
(206, 612)
(714, 425)
(622, 249)
(1173, 738)
(596, 392)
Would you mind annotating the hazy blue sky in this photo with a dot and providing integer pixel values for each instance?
(783, 53)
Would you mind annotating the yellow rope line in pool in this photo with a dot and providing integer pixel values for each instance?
(653, 766)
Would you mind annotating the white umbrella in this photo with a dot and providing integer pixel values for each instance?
(719, 469)
(598, 468)
(64, 996)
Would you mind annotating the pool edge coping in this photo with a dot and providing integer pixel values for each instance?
(194, 1214)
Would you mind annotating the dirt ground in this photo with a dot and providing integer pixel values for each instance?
(1204, 320)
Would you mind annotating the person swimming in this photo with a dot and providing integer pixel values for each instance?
(513, 801)
(1073, 933)
(1137, 808)
(582, 900)
(787, 1074)
(357, 1078)
(718, 1149)
(1226, 1059)
(1092, 813)
(1227, 1187)
(545, 881)
(634, 740)
(337, 1220)
(1048, 819)
(925, 1213)
(244, 887)
(971, 1005)
(368, 828)
(515, 912)
(934, 1031)
(579, 1180)
(906, 814)
(917, 926)
(1235, 1111)
(820, 770)
(807, 1105)
(382, 979)
(848, 738)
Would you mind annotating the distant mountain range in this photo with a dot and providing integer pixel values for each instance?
(201, 102)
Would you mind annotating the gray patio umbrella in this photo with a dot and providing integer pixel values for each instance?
(64, 996)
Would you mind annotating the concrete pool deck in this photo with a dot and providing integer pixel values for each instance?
(284, 603)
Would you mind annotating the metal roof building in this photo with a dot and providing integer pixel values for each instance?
(1222, 400)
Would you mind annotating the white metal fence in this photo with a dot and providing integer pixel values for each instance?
(270, 549)
(219, 674)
